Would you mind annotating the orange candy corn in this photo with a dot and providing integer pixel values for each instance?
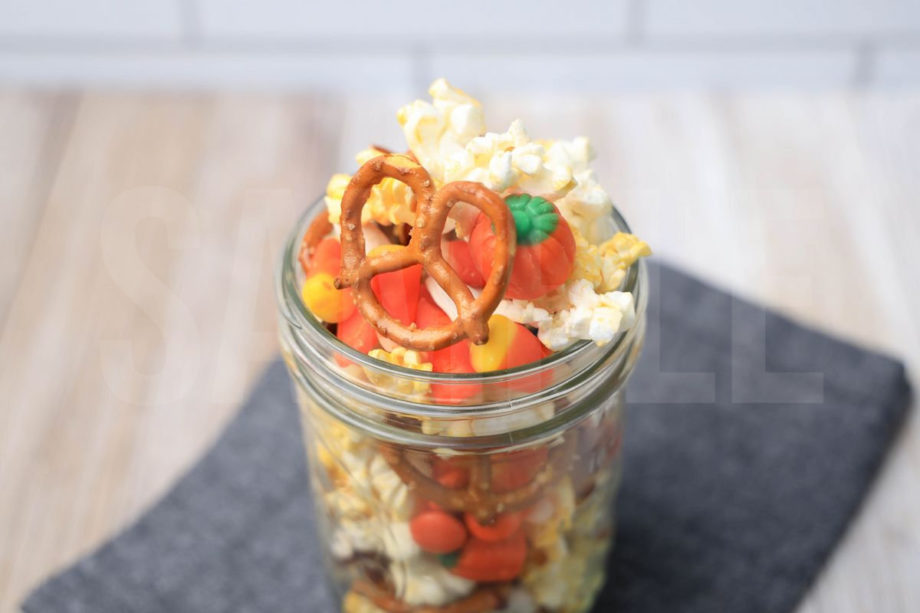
(510, 344)
(357, 334)
(452, 359)
(319, 293)
(398, 291)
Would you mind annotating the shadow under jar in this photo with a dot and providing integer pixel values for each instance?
(459, 492)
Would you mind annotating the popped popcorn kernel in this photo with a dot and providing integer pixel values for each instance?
(407, 358)
(605, 265)
(389, 203)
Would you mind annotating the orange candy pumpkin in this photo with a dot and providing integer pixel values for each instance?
(545, 253)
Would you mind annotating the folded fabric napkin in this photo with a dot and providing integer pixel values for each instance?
(749, 444)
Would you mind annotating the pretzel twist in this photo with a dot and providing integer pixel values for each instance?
(432, 210)
(477, 498)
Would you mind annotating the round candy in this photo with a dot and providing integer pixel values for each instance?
(503, 527)
(437, 532)
(492, 561)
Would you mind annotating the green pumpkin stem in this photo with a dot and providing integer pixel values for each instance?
(535, 218)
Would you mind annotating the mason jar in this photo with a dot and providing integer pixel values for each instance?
(459, 492)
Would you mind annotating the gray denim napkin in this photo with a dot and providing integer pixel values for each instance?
(750, 442)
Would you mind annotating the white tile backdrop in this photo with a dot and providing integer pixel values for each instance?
(590, 45)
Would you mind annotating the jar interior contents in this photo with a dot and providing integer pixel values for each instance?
(470, 253)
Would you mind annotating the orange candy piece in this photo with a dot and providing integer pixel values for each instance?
(437, 532)
(319, 293)
(510, 344)
(516, 469)
(398, 291)
(357, 334)
(327, 257)
(492, 560)
(504, 526)
(448, 474)
(458, 255)
(452, 359)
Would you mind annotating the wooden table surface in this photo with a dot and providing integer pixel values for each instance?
(138, 234)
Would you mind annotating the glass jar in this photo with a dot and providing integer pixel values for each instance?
(471, 492)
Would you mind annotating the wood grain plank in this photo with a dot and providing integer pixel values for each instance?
(34, 127)
(65, 432)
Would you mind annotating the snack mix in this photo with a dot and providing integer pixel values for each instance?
(471, 252)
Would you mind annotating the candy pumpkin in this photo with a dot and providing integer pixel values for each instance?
(458, 254)
(545, 252)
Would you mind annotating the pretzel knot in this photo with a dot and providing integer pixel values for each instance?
(479, 498)
(432, 209)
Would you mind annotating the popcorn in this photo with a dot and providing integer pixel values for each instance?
(356, 603)
(523, 312)
(605, 265)
(451, 427)
(400, 356)
(517, 420)
(592, 316)
(546, 526)
(391, 491)
(587, 206)
(502, 161)
(441, 128)
(389, 203)
(421, 581)
(352, 536)
(558, 581)
(398, 543)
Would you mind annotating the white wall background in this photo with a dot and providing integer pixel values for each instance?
(600, 45)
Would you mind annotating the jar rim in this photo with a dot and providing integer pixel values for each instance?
(296, 313)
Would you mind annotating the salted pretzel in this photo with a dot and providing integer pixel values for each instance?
(482, 600)
(477, 498)
(318, 229)
(432, 209)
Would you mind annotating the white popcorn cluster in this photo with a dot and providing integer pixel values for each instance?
(448, 137)
(592, 316)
